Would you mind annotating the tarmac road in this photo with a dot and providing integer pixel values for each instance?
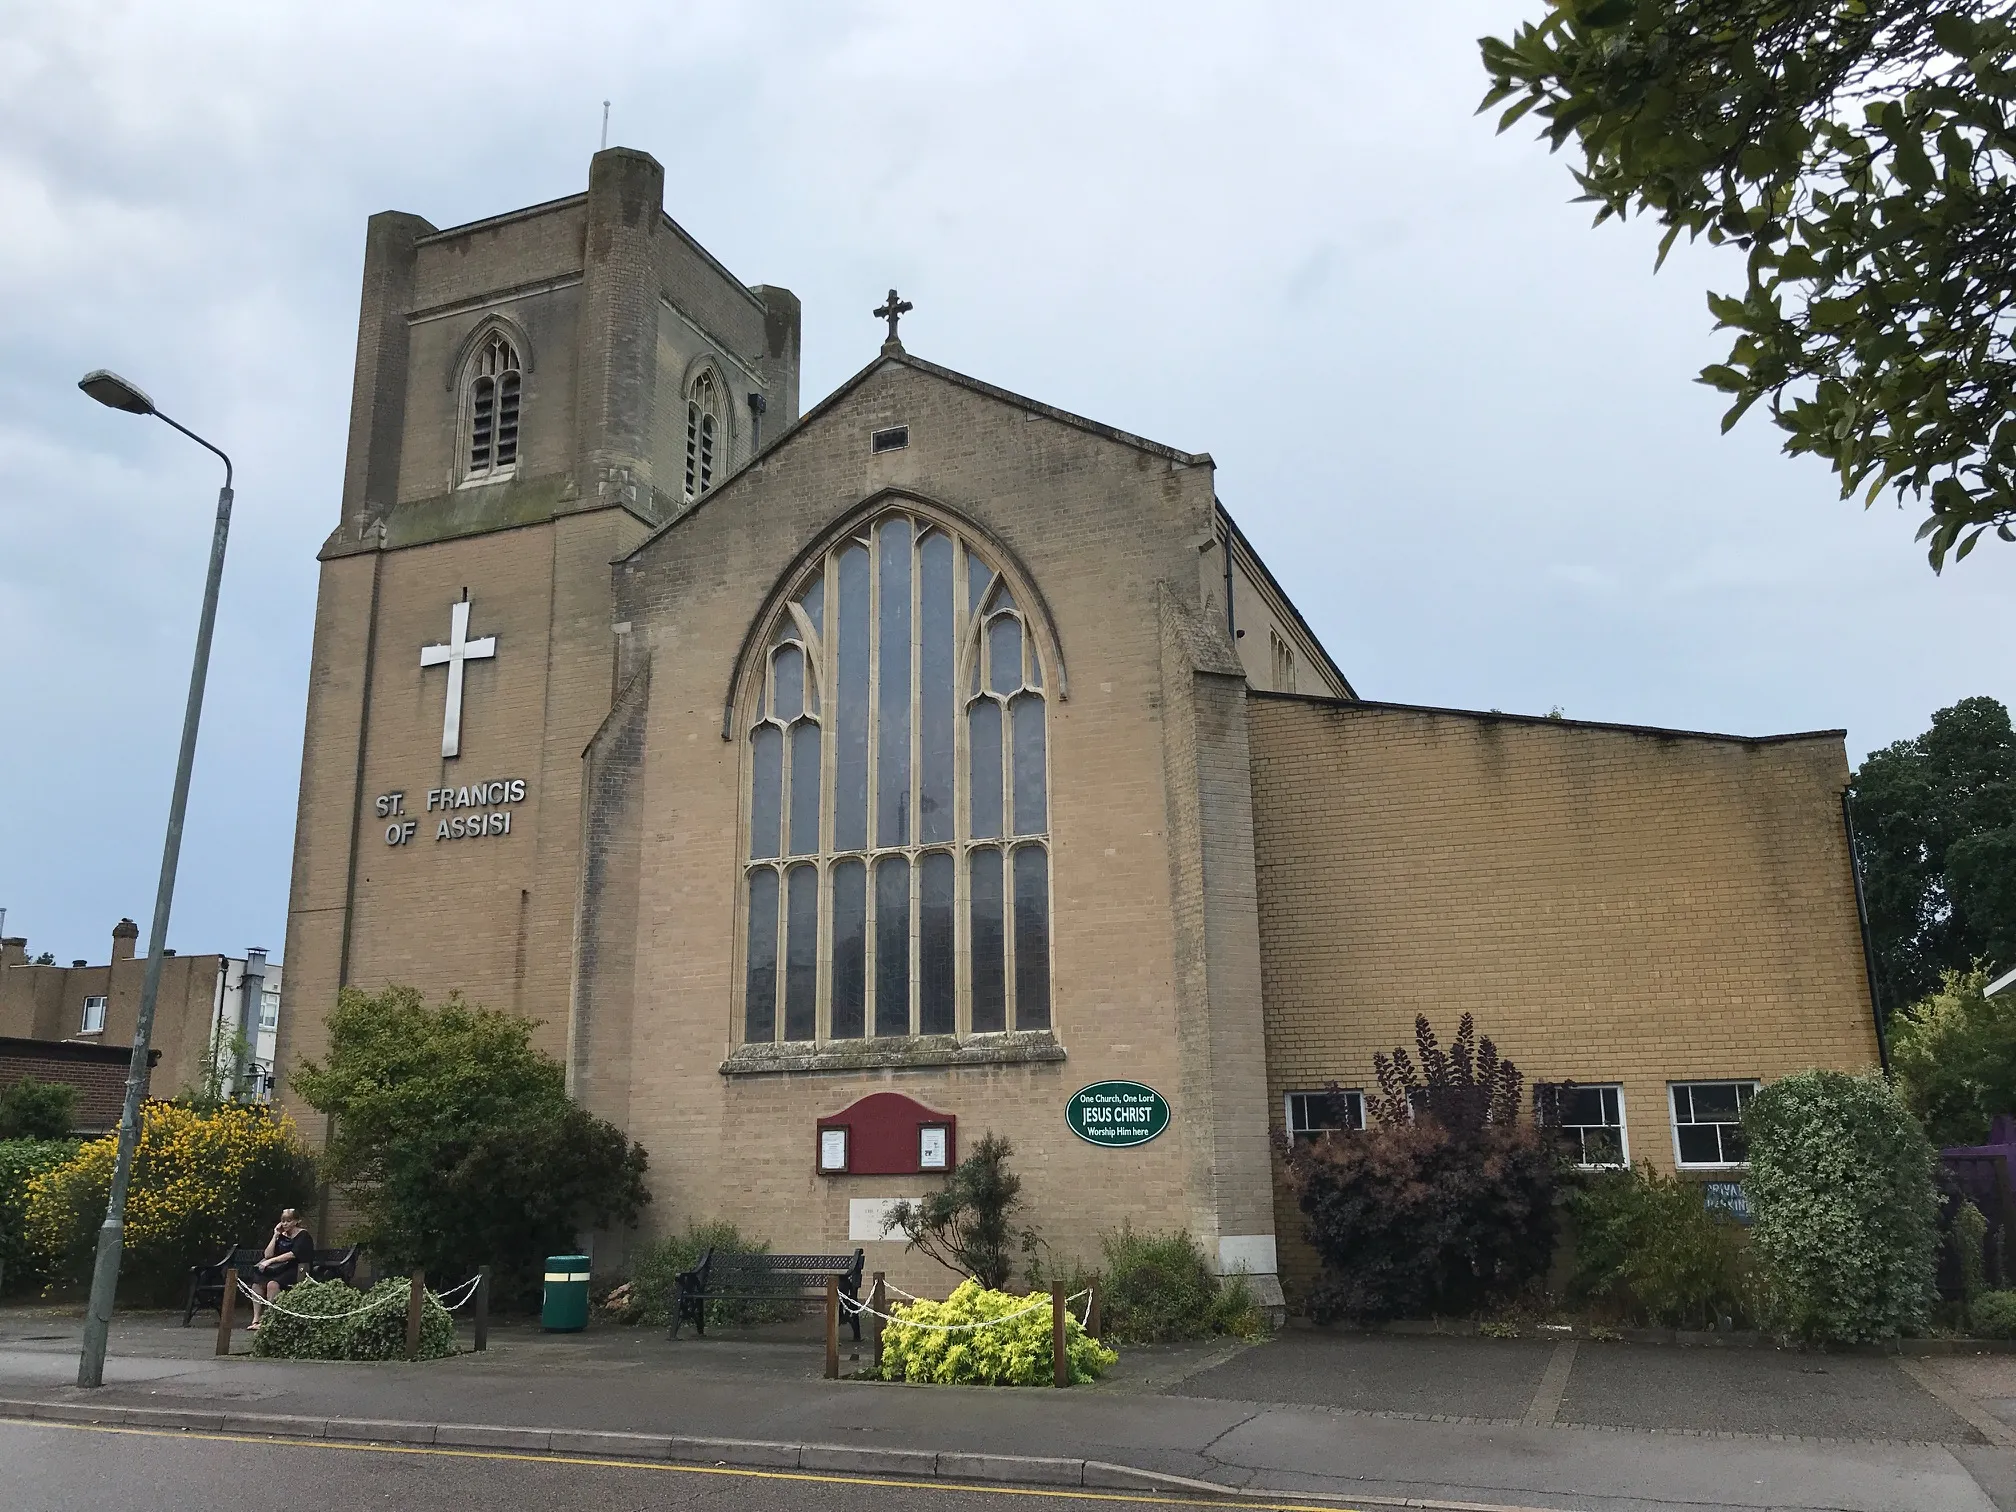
(45, 1468)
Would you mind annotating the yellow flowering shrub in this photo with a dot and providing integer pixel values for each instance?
(1014, 1352)
(203, 1178)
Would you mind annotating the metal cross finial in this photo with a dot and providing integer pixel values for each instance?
(893, 310)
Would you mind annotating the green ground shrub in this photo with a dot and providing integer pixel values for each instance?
(1155, 1288)
(1847, 1217)
(1016, 1353)
(40, 1110)
(657, 1266)
(379, 1334)
(1992, 1315)
(21, 1159)
(1648, 1249)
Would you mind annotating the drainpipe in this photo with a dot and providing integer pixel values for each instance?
(1231, 627)
(1862, 918)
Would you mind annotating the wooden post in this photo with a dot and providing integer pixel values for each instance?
(832, 1328)
(1092, 1318)
(1060, 1355)
(482, 1307)
(878, 1298)
(227, 1310)
(416, 1298)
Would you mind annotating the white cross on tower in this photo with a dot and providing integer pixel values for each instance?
(459, 649)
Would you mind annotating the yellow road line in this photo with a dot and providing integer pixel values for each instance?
(529, 1457)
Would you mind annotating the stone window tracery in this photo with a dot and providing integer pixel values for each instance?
(492, 392)
(898, 873)
(703, 432)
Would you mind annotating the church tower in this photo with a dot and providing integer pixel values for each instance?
(535, 393)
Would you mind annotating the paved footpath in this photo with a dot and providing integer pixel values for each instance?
(1365, 1420)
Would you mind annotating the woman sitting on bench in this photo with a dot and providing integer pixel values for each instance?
(288, 1255)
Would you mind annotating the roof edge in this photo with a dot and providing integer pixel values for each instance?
(1661, 732)
(1274, 583)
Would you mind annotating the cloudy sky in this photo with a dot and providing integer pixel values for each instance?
(1458, 422)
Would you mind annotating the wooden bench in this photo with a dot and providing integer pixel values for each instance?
(206, 1282)
(761, 1278)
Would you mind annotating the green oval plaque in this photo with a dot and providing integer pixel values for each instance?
(1117, 1113)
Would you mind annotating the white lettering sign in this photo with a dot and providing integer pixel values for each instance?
(494, 796)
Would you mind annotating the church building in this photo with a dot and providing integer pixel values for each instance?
(836, 786)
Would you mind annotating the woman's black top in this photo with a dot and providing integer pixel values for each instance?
(299, 1247)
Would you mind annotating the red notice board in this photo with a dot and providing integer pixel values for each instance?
(886, 1134)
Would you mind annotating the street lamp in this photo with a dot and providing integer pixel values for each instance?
(112, 390)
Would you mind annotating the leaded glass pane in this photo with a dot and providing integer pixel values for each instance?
(935, 693)
(892, 946)
(766, 798)
(1032, 938)
(761, 1005)
(788, 682)
(1004, 654)
(936, 972)
(1031, 807)
(801, 954)
(805, 788)
(892, 704)
(850, 950)
(850, 757)
(984, 742)
(990, 975)
(813, 602)
(979, 576)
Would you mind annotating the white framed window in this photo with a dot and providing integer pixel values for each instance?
(703, 434)
(1708, 1122)
(490, 411)
(1592, 1123)
(1312, 1113)
(269, 1010)
(94, 1016)
(898, 803)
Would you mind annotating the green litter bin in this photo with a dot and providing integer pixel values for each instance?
(566, 1302)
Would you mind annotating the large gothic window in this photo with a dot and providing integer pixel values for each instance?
(491, 407)
(898, 879)
(703, 434)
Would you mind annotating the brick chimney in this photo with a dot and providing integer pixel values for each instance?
(124, 933)
(14, 951)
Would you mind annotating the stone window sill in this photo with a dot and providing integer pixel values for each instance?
(1016, 1048)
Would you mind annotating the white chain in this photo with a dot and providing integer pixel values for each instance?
(862, 1307)
(439, 1299)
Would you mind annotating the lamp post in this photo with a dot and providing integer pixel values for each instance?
(112, 390)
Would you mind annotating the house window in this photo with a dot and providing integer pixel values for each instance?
(1707, 1122)
(1592, 1124)
(1314, 1113)
(94, 1016)
(493, 389)
(1284, 663)
(898, 880)
(703, 429)
(269, 1010)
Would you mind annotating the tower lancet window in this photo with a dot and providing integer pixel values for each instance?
(703, 434)
(898, 880)
(492, 404)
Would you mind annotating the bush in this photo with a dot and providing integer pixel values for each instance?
(649, 1300)
(1446, 1206)
(1160, 1287)
(1954, 1055)
(1846, 1225)
(458, 1144)
(1648, 1246)
(1009, 1354)
(1993, 1315)
(338, 1330)
(966, 1226)
(202, 1181)
(20, 1160)
(32, 1109)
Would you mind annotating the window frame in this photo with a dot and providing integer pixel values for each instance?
(707, 433)
(1622, 1126)
(467, 473)
(101, 1003)
(1041, 676)
(1354, 1098)
(1747, 1088)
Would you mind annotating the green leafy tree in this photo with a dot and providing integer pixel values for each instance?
(32, 1109)
(458, 1141)
(967, 1226)
(1846, 1218)
(1954, 1056)
(1860, 152)
(1935, 822)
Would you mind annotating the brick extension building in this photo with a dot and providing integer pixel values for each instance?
(939, 742)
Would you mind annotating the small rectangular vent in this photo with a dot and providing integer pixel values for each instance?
(893, 439)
